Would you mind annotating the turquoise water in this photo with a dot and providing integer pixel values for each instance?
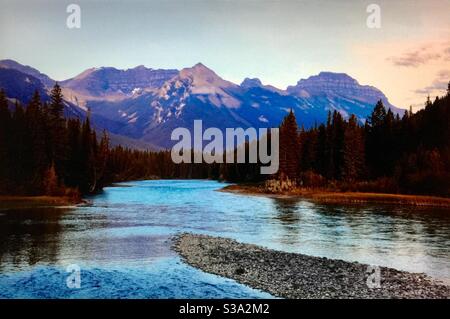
(122, 241)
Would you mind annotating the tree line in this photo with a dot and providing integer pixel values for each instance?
(41, 152)
(389, 153)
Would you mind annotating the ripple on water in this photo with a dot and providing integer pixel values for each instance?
(165, 279)
(124, 235)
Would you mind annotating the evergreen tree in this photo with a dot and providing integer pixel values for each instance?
(58, 131)
(337, 144)
(321, 153)
(74, 163)
(375, 140)
(43, 153)
(5, 151)
(353, 166)
(289, 148)
(101, 161)
(37, 161)
(19, 149)
(87, 159)
(329, 170)
(56, 107)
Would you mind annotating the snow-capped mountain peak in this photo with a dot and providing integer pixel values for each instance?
(204, 84)
(147, 104)
(205, 80)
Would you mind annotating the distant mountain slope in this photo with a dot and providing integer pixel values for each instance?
(339, 91)
(11, 64)
(21, 86)
(146, 104)
(106, 82)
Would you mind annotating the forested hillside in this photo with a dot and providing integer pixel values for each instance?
(41, 152)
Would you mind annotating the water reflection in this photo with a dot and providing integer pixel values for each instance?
(29, 236)
(287, 212)
(130, 227)
(413, 239)
(288, 217)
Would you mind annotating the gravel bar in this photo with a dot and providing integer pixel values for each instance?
(290, 275)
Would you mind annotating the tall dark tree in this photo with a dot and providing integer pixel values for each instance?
(337, 144)
(101, 161)
(375, 140)
(5, 132)
(58, 132)
(353, 165)
(321, 159)
(289, 148)
(87, 159)
(19, 149)
(41, 152)
(37, 161)
(56, 107)
(74, 163)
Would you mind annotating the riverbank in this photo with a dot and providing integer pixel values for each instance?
(290, 275)
(15, 202)
(328, 197)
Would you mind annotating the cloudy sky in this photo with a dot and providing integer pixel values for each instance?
(279, 42)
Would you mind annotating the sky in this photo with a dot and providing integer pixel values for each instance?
(279, 42)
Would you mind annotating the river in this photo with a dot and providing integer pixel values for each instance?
(121, 241)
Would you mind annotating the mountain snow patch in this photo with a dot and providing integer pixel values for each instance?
(263, 119)
(136, 91)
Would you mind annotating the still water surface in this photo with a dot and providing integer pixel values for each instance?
(122, 241)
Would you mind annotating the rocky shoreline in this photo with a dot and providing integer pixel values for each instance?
(290, 275)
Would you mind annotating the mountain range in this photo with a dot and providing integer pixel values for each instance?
(141, 106)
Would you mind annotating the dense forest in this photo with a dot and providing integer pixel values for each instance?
(41, 152)
(389, 153)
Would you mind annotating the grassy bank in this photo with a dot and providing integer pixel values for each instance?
(330, 197)
(14, 202)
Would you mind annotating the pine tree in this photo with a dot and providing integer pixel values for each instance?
(329, 149)
(87, 159)
(353, 166)
(74, 162)
(378, 116)
(321, 160)
(56, 107)
(19, 149)
(5, 132)
(58, 131)
(337, 139)
(375, 140)
(101, 161)
(289, 148)
(36, 144)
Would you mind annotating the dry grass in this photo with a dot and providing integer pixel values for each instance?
(329, 197)
(7, 201)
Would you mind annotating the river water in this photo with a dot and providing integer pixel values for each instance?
(121, 242)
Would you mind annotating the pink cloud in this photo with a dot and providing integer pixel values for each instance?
(415, 58)
(423, 55)
(440, 83)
